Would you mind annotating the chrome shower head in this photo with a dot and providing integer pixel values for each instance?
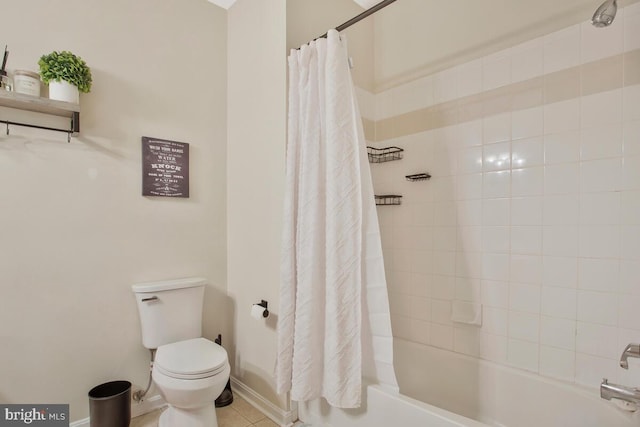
(605, 14)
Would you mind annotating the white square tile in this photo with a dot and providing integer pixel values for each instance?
(600, 241)
(560, 240)
(493, 347)
(630, 207)
(591, 369)
(495, 267)
(631, 173)
(419, 331)
(469, 239)
(496, 129)
(401, 326)
(598, 308)
(469, 78)
(600, 208)
(469, 187)
(601, 108)
(495, 320)
(494, 294)
(421, 308)
(557, 363)
(526, 211)
(560, 333)
(470, 133)
(526, 269)
(442, 336)
(470, 160)
(527, 123)
(599, 274)
(470, 211)
(421, 284)
(630, 242)
(561, 179)
(444, 238)
(527, 62)
(601, 175)
(524, 326)
(496, 239)
(562, 49)
(598, 43)
(442, 288)
(441, 311)
(524, 298)
(444, 263)
(561, 209)
(469, 264)
(496, 184)
(523, 355)
(526, 240)
(527, 152)
(597, 340)
(629, 313)
(629, 273)
(562, 116)
(496, 212)
(563, 147)
(560, 271)
(601, 142)
(444, 213)
(527, 182)
(468, 290)
(631, 138)
(496, 70)
(631, 102)
(421, 214)
(466, 341)
(559, 302)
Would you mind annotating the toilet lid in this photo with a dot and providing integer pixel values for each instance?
(190, 359)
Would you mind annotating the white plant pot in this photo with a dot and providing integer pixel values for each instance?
(64, 91)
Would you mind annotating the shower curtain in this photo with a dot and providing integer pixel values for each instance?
(334, 308)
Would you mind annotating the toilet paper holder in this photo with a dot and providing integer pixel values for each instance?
(265, 305)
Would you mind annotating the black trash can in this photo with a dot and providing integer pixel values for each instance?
(110, 404)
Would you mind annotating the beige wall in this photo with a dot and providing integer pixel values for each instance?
(75, 231)
(307, 19)
(255, 182)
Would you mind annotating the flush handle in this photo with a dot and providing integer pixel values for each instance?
(153, 298)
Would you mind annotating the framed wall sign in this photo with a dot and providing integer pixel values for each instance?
(165, 168)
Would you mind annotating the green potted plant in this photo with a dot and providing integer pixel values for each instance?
(66, 74)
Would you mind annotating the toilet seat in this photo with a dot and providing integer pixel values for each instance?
(191, 359)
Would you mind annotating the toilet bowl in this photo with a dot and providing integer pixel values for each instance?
(189, 371)
(190, 375)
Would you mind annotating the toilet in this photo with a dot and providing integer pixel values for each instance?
(189, 371)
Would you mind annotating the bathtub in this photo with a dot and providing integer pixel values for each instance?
(464, 391)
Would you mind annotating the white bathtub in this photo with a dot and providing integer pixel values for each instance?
(463, 391)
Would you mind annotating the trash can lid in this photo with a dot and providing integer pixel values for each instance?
(197, 357)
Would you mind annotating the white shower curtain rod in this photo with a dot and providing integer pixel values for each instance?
(360, 17)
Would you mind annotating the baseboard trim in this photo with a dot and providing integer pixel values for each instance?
(137, 408)
(276, 414)
(147, 405)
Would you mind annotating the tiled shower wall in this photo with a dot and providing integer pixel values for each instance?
(533, 208)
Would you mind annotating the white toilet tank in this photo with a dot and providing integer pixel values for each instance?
(170, 311)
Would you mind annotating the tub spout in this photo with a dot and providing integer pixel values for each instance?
(616, 391)
(632, 350)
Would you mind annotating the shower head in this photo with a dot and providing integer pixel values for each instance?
(605, 14)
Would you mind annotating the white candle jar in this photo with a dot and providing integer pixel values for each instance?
(26, 82)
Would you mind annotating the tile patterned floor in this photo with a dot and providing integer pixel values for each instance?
(239, 414)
